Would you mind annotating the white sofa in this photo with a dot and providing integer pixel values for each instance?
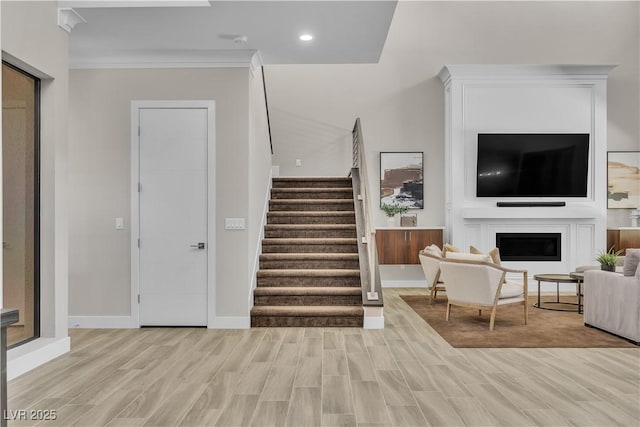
(612, 303)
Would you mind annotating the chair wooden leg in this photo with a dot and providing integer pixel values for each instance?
(526, 312)
(448, 312)
(479, 312)
(432, 295)
(493, 318)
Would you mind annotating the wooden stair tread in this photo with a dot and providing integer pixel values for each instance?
(310, 290)
(311, 178)
(307, 310)
(312, 189)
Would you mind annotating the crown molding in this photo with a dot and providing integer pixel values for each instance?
(167, 58)
(132, 3)
(479, 71)
(69, 18)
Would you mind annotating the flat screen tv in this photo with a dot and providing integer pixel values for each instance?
(532, 165)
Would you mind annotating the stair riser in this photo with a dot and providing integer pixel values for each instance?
(309, 281)
(291, 321)
(337, 219)
(346, 183)
(308, 300)
(315, 264)
(327, 234)
(304, 248)
(347, 194)
(278, 206)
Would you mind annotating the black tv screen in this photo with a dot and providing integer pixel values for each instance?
(532, 165)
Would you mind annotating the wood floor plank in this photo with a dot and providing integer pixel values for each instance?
(238, 411)
(305, 407)
(405, 374)
(370, 407)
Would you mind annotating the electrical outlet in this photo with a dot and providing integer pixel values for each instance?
(298, 163)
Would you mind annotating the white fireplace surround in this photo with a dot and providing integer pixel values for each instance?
(525, 99)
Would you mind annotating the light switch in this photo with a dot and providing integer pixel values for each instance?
(298, 162)
(119, 223)
(234, 224)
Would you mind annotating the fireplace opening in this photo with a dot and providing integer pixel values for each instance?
(529, 246)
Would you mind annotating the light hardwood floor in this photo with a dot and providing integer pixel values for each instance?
(404, 375)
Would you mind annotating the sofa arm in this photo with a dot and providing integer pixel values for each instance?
(612, 303)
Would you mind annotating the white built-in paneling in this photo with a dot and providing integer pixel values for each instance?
(525, 99)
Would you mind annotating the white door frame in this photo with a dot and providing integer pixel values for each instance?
(135, 202)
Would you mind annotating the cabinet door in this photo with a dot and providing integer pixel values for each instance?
(391, 246)
(417, 240)
(629, 239)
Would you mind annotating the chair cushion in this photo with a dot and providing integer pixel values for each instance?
(493, 253)
(468, 257)
(448, 248)
(433, 250)
(511, 290)
(631, 261)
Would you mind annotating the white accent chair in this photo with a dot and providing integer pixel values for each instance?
(431, 268)
(482, 285)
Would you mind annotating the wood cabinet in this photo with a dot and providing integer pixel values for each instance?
(401, 245)
(623, 238)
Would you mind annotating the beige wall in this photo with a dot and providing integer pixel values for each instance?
(99, 141)
(32, 40)
(259, 170)
(401, 101)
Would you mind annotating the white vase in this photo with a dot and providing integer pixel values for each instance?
(391, 221)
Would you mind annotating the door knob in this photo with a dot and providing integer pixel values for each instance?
(200, 245)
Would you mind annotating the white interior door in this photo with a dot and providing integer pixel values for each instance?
(173, 216)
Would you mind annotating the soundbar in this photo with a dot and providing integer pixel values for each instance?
(529, 204)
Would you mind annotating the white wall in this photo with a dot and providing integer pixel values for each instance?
(32, 40)
(99, 162)
(401, 101)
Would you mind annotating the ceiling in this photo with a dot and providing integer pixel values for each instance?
(344, 32)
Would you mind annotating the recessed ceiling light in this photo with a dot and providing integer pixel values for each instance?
(306, 37)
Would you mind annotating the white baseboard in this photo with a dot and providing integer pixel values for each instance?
(404, 283)
(231, 322)
(28, 356)
(373, 322)
(102, 322)
(373, 318)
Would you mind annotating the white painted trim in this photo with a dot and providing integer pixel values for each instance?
(108, 65)
(255, 62)
(211, 201)
(231, 322)
(256, 259)
(168, 58)
(102, 322)
(29, 356)
(133, 3)
(69, 18)
(482, 71)
(404, 283)
(373, 318)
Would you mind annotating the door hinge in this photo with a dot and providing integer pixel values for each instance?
(138, 298)
(138, 242)
(139, 187)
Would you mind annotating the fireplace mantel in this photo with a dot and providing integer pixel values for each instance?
(509, 98)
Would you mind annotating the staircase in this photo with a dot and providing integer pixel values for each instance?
(309, 268)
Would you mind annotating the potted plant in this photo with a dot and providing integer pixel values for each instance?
(608, 259)
(391, 210)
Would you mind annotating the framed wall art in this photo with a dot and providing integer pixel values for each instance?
(623, 179)
(401, 179)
